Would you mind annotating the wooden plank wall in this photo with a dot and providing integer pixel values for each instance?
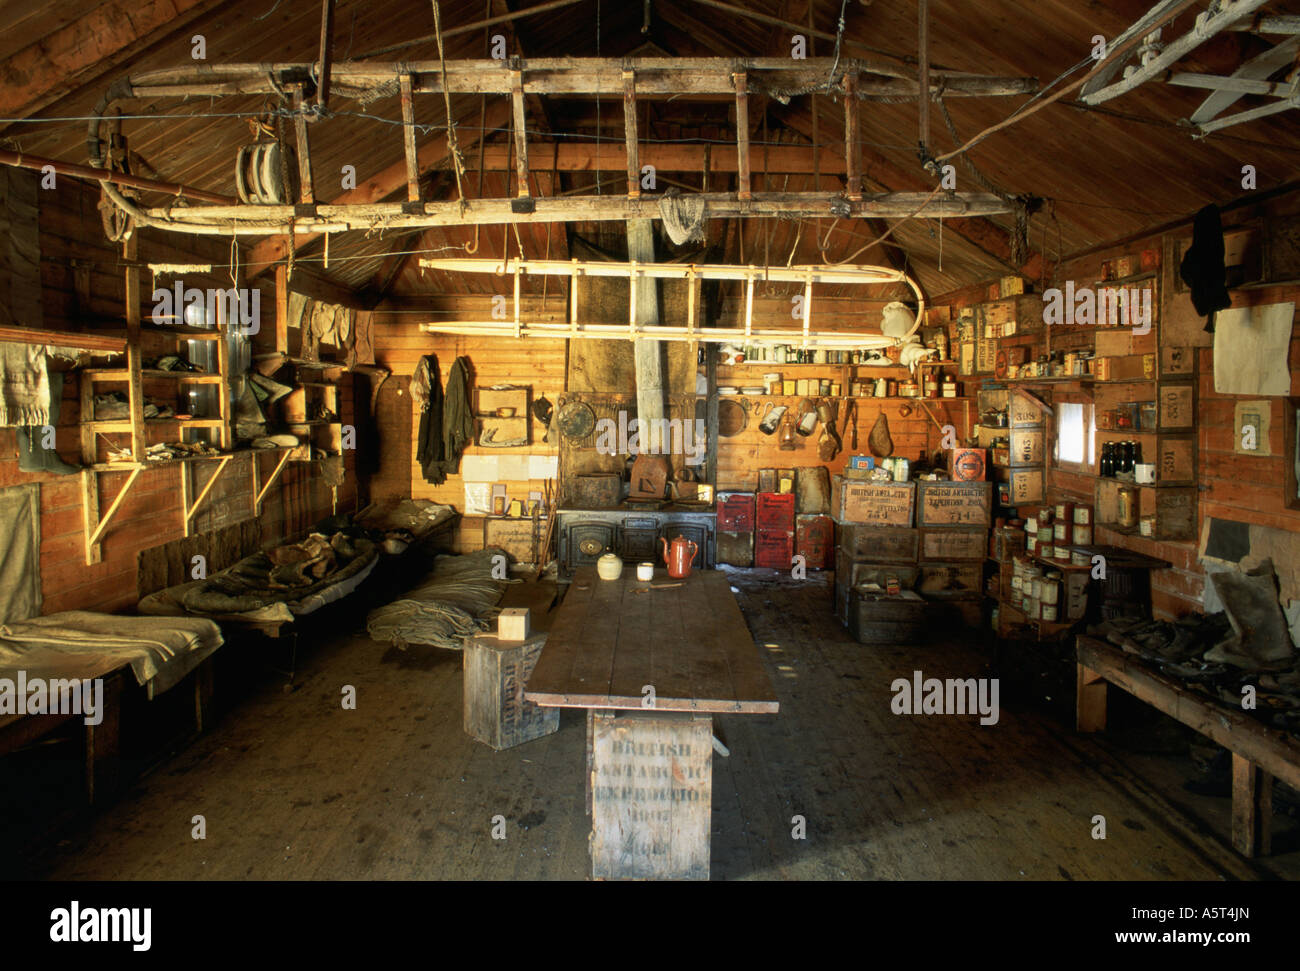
(81, 286)
(1230, 486)
(399, 344)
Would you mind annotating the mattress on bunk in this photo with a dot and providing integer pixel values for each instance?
(160, 650)
(255, 590)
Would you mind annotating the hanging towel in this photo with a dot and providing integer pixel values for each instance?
(24, 385)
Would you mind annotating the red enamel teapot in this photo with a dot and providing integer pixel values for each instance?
(678, 557)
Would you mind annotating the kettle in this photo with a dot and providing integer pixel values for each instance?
(678, 557)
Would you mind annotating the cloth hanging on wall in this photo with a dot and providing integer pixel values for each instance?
(20, 544)
(457, 415)
(24, 385)
(426, 391)
(1202, 268)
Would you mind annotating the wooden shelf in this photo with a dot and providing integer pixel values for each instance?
(108, 343)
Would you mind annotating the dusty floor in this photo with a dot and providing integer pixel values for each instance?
(292, 786)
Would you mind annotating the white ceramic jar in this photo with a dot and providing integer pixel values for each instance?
(609, 567)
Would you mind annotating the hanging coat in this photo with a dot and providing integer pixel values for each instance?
(457, 415)
(428, 380)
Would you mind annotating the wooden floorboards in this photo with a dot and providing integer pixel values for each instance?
(292, 786)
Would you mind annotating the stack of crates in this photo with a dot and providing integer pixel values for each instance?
(774, 530)
(736, 528)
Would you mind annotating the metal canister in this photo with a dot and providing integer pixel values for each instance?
(1082, 535)
(1128, 506)
(1065, 510)
(949, 388)
(1082, 515)
(908, 389)
(1061, 531)
(1079, 558)
(1048, 613)
(891, 388)
(1049, 590)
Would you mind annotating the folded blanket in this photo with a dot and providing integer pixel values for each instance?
(160, 650)
(24, 385)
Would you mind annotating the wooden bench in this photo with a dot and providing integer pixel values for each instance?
(103, 777)
(1259, 753)
(651, 663)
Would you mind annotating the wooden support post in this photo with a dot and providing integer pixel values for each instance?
(261, 491)
(326, 55)
(852, 152)
(744, 184)
(306, 183)
(573, 297)
(518, 281)
(1252, 808)
(630, 134)
(104, 745)
(408, 137)
(521, 131)
(749, 304)
(135, 395)
(807, 307)
(923, 93)
(93, 538)
(282, 309)
(1090, 701)
(191, 510)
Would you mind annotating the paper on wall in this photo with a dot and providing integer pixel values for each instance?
(1251, 346)
(512, 468)
(543, 466)
(478, 498)
(479, 468)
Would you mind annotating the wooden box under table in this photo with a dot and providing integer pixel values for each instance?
(877, 618)
(496, 712)
(877, 544)
(939, 545)
(951, 581)
(872, 503)
(651, 795)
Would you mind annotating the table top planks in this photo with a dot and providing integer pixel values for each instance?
(684, 638)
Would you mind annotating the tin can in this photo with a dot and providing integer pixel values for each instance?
(1061, 531)
(835, 389)
(949, 388)
(1064, 510)
(908, 389)
(1079, 558)
(891, 388)
(1128, 506)
(1082, 535)
(1048, 613)
(790, 386)
(1082, 515)
(825, 387)
(882, 387)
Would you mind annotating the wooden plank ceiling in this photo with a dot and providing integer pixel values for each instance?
(1106, 173)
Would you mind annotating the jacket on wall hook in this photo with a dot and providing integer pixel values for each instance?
(1202, 268)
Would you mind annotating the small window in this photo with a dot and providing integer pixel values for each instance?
(1074, 434)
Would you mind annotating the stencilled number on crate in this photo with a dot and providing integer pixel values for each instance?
(498, 827)
(949, 439)
(1248, 177)
(498, 307)
(796, 307)
(498, 49)
(799, 47)
(798, 828)
(200, 830)
(349, 173)
(199, 47)
(500, 567)
(349, 698)
(48, 179)
(647, 696)
(648, 178)
(1099, 827)
(1247, 697)
(799, 567)
(198, 567)
(1098, 567)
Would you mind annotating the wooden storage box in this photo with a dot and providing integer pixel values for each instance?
(495, 711)
(882, 619)
(877, 544)
(941, 545)
(1023, 409)
(814, 540)
(1027, 486)
(736, 549)
(651, 796)
(966, 504)
(1175, 409)
(1130, 368)
(520, 538)
(1175, 460)
(774, 511)
(872, 503)
(774, 549)
(1028, 447)
(950, 581)
(736, 512)
(849, 574)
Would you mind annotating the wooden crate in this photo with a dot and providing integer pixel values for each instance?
(1028, 486)
(495, 711)
(651, 796)
(1024, 409)
(736, 549)
(942, 545)
(774, 548)
(1175, 407)
(877, 544)
(1175, 460)
(849, 574)
(872, 503)
(1177, 362)
(520, 538)
(951, 581)
(886, 620)
(1028, 447)
(965, 504)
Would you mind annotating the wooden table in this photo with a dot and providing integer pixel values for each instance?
(1259, 753)
(668, 654)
